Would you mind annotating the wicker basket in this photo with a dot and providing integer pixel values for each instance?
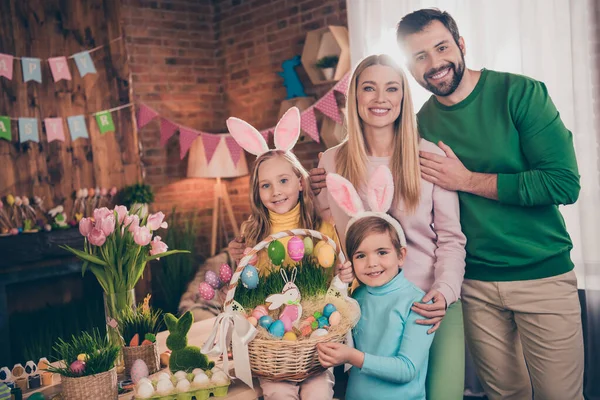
(148, 353)
(271, 358)
(98, 387)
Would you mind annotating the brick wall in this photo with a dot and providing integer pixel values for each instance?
(200, 61)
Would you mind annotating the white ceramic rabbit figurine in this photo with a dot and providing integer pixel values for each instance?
(289, 296)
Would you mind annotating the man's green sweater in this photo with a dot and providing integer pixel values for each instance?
(509, 126)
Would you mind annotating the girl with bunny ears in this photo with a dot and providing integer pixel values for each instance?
(391, 350)
(279, 202)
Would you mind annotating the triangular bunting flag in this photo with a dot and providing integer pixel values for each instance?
(5, 128)
(59, 68)
(328, 106)
(210, 143)
(342, 85)
(234, 149)
(167, 129)
(6, 65)
(266, 134)
(145, 115)
(54, 129)
(308, 123)
(186, 138)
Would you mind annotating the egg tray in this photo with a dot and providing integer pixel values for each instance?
(198, 394)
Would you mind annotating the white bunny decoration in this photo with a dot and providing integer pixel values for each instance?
(286, 133)
(289, 296)
(380, 192)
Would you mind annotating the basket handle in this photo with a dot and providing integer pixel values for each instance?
(260, 246)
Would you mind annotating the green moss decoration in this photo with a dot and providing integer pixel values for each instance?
(183, 357)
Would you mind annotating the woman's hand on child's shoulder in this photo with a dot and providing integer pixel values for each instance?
(434, 312)
(345, 272)
(332, 354)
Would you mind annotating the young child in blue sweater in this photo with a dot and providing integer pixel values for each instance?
(391, 350)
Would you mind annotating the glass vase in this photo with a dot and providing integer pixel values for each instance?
(114, 304)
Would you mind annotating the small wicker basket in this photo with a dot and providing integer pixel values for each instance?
(281, 360)
(98, 387)
(149, 354)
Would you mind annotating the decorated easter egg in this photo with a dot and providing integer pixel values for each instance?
(212, 279)
(328, 309)
(308, 245)
(145, 390)
(259, 311)
(306, 329)
(265, 321)
(183, 386)
(4, 392)
(314, 325)
(253, 259)
(139, 370)
(31, 368)
(225, 273)
(5, 374)
(277, 328)
(276, 252)
(318, 246)
(287, 323)
(82, 357)
(326, 256)
(295, 248)
(77, 367)
(310, 318)
(164, 387)
(201, 380)
(290, 336)
(323, 322)
(206, 291)
(250, 277)
(319, 332)
(253, 321)
(335, 318)
(317, 315)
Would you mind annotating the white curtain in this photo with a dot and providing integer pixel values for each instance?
(549, 40)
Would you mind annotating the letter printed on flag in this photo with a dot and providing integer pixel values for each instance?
(28, 130)
(77, 127)
(31, 69)
(5, 128)
(84, 62)
(6, 65)
(59, 68)
(54, 129)
(105, 122)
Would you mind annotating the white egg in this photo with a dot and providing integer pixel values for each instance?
(143, 380)
(145, 390)
(164, 386)
(201, 380)
(319, 332)
(164, 376)
(183, 386)
(216, 369)
(180, 375)
(197, 371)
(220, 378)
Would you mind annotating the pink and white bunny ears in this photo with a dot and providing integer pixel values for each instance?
(286, 133)
(380, 193)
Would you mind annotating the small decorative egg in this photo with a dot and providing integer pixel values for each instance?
(141, 382)
(326, 256)
(47, 227)
(164, 387)
(82, 357)
(276, 252)
(183, 386)
(206, 291)
(225, 273)
(318, 246)
(212, 279)
(145, 390)
(335, 318)
(262, 309)
(139, 370)
(308, 245)
(290, 336)
(220, 378)
(295, 248)
(4, 392)
(323, 322)
(163, 376)
(14, 231)
(77, 367)
(277, 329)
(306, 329)
(265, 321)
(314, 325)
(317, 315)
(250, 277)
(31, 368)
(287, 323)
(5, 374)
(253, 321)
(201, 380)
(319, 332)
(215, 370)
(180, 375)
(328, 309)
(197, 371)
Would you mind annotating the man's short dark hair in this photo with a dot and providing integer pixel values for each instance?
(418, 20)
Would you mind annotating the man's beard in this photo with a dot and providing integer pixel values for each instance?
(446, 89)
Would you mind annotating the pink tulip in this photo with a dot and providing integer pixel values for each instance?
(97, 237)
(101, 213)
(132, 222)
(121, 213)
(155, 221)
(85, 226)
(158, 246)
(142, 235)
(107, 224)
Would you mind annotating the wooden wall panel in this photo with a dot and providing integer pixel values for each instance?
(50, 28)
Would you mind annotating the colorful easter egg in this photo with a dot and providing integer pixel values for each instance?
(4, 392)
(77, 367)
(265, 321)
(309, 245)
(260, 311)
(323, 322)
(212, 279)
(319, 332)
(277, 329)
(139, 370)
(314, 325)
(317, 315)
(318, 246)
(326, 256)
(253, 321)
(82, 357)
(206, 291)
(295, 248)
(335, 318)
(310, 318)
(287, 323)
(328, 309)
(290, 336)
(250, 277)
(306, 329)
(225, 273)
(276, 252)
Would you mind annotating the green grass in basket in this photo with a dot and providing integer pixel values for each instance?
(312, 280)
(140, 321)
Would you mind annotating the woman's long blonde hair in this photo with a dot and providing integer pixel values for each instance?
(351, 160)
(258, 226)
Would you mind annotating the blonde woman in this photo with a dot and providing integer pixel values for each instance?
(382, 130)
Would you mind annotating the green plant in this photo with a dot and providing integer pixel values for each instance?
(183, 357)
(327, 62)
(100, 355)
(139, 193)
(142, 321)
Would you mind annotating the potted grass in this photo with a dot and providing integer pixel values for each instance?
(137, 197)
(138, 328)
(327, 64)
(86, 364)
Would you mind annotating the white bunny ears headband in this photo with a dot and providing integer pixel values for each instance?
(380, 193)
(249, 138)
